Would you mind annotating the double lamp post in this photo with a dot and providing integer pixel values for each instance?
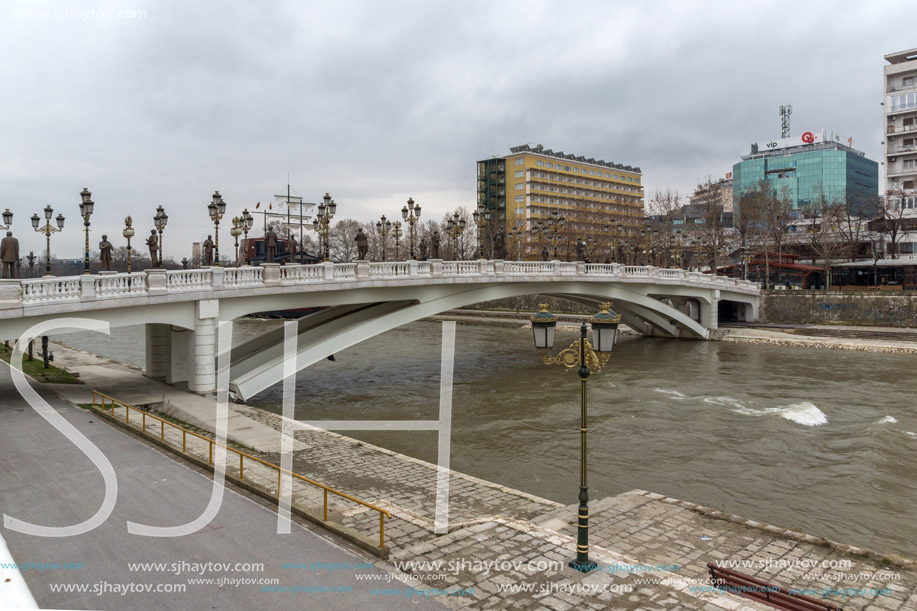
(587, 357)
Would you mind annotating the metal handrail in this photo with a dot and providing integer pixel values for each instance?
(242, 456)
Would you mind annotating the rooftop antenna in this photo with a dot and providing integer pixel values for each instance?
(785, 112)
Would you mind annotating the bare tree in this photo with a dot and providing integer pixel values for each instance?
(342, 240)
(892, 222)
(825, 238)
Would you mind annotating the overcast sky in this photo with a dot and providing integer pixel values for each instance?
(378, 101)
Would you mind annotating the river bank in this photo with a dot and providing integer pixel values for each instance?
(510, 547)
(893, 340)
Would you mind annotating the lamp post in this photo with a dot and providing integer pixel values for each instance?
(247, 222)
(322, 224)
(455, 226)
(383, 227)
(587, 357)
(236, 231)
(555, 223)
(128, 233)
(411, 214)
(86, 208)
(47, 229)
(160, 221)
(397, 232)
(31, 259)
(7, 220)
(216, 208)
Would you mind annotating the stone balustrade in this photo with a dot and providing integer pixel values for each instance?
(152, 282)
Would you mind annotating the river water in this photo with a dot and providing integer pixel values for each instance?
(819, 441)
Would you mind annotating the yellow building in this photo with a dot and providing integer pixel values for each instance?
(544, 199)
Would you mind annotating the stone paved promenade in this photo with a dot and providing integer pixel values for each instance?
(653, 549)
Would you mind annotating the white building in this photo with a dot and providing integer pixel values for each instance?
(901, 140)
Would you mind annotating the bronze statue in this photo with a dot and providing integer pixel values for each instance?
(9, 253)
(105, 253)
(270, 245)
(545, 256)
(362, 244)
(580, 250)
(153, 243)
(435, 241)
(423, 249)
(208, 251)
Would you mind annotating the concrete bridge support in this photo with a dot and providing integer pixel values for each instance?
(185, 356)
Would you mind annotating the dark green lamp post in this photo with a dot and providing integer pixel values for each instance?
(586, 357)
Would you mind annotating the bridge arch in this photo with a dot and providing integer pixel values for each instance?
(257, 367)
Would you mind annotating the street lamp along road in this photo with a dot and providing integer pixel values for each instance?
(383, 227)
(411, 213)
(47, 229)
(587, 357)
(322, 224)
(235, 232)
(160, 221)
(216, 208)
(455, 226)
(86, 208)
(247, 222)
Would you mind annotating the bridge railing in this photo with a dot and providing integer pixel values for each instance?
(51, 290)
(147, 422)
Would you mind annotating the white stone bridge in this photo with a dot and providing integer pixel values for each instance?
(181, 308)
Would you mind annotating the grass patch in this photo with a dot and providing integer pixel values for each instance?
(36, 369)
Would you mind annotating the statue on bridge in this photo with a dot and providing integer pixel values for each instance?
(153, 243)
(500, 244)
(545, 256)
(270, 245)
(9, 253)
(423, 249)
(580, 250)
(105, 253)
(362, 244)
(435, 242)
(208, 251)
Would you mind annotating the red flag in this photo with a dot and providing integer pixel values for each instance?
(258, 205)
(270, 206)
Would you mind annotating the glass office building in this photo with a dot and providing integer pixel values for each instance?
(809, 169)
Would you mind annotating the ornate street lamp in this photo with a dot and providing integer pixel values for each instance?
(31, 259)
(247, 222)
(47, 229)
(86, 208)
(587, 357)
(383, 227)
(7, 220)
(322, 224)
(455, 226)
(556, 222)
(411, 213)
(397, 232)
(236, 231)
(128, 233)
(160, 221)
(216, 208)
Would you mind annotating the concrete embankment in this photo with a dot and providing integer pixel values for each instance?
(510, 547)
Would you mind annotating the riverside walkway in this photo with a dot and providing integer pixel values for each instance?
(234, 562)
(511, 548)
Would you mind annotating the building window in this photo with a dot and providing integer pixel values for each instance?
(539, 163)
(908, 184)
(908, 81)
(520, 198)
(520, 173)
(519, 185)
(908, 164)
(520, 160)
(548, 164)
(567, 168)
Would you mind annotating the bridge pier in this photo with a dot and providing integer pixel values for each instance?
(168, 353)
(709, 312)
(204, 378)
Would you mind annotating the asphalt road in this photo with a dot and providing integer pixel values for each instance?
(45, 479)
